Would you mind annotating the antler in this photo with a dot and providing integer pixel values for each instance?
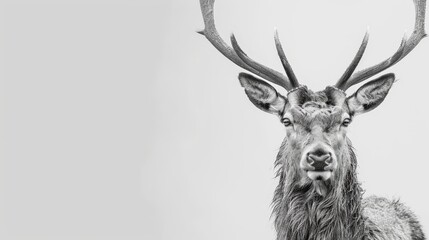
(237, 56)
(351, 68)
(406, 46)
(285, 62)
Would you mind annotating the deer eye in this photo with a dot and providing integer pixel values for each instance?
(287, 122)
(346, 122)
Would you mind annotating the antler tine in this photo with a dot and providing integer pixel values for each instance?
(239, 58)
(271, 74)
(288, 68)
(407, 45)
(351, 68)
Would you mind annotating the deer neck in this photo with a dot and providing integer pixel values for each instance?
(300, 213)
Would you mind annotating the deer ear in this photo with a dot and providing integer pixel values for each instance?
(370, 95)
(262, 94)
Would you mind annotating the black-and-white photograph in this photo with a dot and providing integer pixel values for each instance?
(214, 119)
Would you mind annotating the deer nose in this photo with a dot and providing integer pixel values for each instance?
(319, 159)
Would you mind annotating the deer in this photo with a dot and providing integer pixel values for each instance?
(318, 196)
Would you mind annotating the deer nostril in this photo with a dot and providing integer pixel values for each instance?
(330, 159)
(309, 159)
(318, 160)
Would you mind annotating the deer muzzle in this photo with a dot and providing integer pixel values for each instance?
(319, 162)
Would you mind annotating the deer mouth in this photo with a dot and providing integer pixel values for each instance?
(319, 175)
(320, 181)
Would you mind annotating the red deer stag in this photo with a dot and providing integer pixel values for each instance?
(318, 195)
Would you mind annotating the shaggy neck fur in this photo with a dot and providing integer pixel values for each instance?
(302, 214)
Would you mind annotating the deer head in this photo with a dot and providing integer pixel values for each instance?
(316, 148)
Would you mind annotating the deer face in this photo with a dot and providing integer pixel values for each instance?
(316, 146)
(317, 133)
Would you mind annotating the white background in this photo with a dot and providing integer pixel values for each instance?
(120, 122)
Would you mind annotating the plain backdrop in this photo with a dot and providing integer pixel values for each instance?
(120, 122)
